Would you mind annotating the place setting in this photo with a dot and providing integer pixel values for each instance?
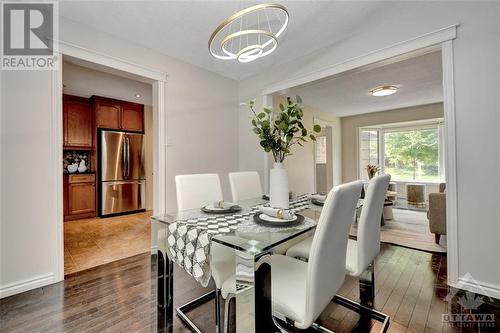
(318, 199)
(277, 217)
(221, 207)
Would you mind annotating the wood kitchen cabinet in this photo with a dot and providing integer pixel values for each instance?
(107, 113)
(120, 115)
(77, 122)
(132, 117)
(79, 196)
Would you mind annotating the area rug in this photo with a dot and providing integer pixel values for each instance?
(409, 229)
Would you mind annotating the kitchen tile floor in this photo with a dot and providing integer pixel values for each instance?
(97, 241)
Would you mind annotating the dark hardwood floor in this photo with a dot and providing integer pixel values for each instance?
(121, 297)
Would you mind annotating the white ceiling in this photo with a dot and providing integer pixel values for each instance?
(181, 29)
(419, 80)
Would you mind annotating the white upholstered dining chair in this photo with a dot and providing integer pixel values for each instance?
(245, 185)
(196, 191)
(302, 290)
(360, 252)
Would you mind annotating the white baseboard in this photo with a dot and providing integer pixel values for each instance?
(478, 287)
(25, 285)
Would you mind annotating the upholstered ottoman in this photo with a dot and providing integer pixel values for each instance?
(415, 194)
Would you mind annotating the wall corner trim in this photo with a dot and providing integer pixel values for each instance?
(28, 284)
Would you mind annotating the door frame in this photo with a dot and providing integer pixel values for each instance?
(440, 39)
(158, 81)
(325, 124)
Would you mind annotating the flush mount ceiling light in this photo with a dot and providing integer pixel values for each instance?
(138, 95)
(249, 34)
(383, 91)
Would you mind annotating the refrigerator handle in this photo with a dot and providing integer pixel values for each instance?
(127, 141)
(124, 158)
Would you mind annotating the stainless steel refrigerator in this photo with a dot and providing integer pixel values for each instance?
(121, 172)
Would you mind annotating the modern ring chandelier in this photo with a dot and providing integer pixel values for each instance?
(249, 34)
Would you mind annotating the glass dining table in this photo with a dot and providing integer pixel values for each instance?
(185, 239)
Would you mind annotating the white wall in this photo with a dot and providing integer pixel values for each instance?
(250, 155)
(28, 247)
(476, 74)
(201, 115)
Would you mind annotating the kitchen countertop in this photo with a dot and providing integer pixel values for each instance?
(79, 173)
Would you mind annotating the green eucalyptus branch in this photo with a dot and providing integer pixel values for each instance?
(279, 131)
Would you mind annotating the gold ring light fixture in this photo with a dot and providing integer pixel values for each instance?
(249, 34)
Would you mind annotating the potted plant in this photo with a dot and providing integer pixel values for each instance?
(372, 170)
(278, 132)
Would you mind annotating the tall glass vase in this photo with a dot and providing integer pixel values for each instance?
(278, 186)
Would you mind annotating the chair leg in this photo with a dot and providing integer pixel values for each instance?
(367, 286)
(183, 309)
(218, 328)
(229, 298)
(363, 310)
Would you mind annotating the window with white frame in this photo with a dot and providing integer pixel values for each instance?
(409, 152)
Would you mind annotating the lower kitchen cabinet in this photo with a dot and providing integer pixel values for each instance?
(79, 196)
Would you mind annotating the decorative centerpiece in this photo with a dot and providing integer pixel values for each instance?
(278, 132)
(372, 170)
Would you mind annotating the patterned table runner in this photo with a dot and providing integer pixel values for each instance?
(189, 240)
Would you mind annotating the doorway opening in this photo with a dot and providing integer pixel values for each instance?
(109, 152)
(402, 134)
(323, 161)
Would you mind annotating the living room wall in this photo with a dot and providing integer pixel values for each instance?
(351, 124)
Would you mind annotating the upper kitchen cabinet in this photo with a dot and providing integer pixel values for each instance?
(132, 117)
(120, 115)
(77, 122)
(107, 113)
